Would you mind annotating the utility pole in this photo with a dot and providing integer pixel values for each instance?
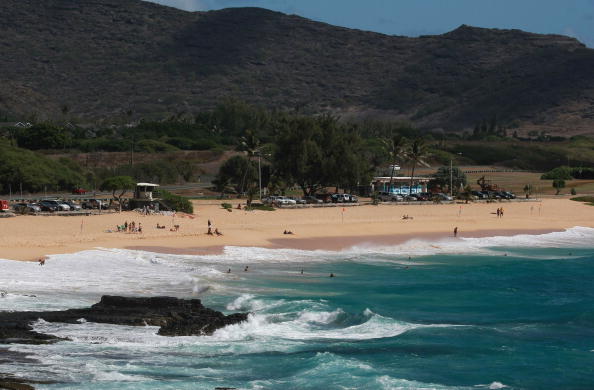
(451, 180)
(260, 175)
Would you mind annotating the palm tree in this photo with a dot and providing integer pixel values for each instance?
(396, 149)
(417, 152)
(250, 144)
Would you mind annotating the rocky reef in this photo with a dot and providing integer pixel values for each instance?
(175, 317)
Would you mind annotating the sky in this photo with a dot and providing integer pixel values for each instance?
(423, 17)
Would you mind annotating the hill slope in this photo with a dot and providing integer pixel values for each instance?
(102, 58)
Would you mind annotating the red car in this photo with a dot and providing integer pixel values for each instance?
(79, 191)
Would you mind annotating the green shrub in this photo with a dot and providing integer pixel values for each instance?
(176, 202)
(586, 199)
(227, 205)
(573, 191)
(259, 206)
(152, 146)
(559, 173)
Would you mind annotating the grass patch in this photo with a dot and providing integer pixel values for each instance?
(258, 206)
(586, 199)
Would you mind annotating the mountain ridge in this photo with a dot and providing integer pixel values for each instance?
(106, 59)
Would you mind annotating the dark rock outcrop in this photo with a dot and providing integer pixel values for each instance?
(176, 317)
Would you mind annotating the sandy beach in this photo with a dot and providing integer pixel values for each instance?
(30, 237)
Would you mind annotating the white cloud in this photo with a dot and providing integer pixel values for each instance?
(186, 5)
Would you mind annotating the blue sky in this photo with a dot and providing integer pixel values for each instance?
(418, 17)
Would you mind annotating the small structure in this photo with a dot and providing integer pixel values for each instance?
(144, 191)
(400, 184)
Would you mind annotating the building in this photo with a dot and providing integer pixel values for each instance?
(400, 184)
(144, 191)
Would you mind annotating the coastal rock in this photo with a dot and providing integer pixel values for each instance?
(175, 317)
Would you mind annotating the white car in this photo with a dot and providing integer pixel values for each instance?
(283, 200)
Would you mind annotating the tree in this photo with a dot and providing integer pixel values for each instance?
(236, 171)
(319, 152)
(558, 184)
(44, 136)
(395, 147)
(528, 190)
(250, 144)
(442, 177)
(417, 152)
(118, 183)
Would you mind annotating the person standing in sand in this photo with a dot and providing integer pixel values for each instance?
(456, 231)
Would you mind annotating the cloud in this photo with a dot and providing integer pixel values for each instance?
(186, 5)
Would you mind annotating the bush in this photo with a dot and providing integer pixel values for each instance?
(559, 173)
(573, 191)
(226, 206)
(587, 199)
(176, 202)
(152, 146)
(259, 206)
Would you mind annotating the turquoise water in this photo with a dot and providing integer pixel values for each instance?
(513, 317)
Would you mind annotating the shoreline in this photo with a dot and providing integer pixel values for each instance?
(338, 244)
(27, 238)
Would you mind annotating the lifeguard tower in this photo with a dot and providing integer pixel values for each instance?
(144, 191)
(144, 195)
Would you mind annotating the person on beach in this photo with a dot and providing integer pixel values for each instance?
(456, 231)
(498, 212)
(229, 271)
(209, 228)
(217, 232)
(331, 275)
(41, 261)
(139, 228)
(501, 213)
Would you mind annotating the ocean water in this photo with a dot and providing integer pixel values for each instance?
(477, 313)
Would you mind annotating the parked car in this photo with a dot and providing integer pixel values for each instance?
(491, 195)
(410, 198)
(442, 197)
(325, 198)
(79, 191)
(73, 206)
(312, 200)
(26, 208)
(283, 201)
(52, 205)
(479, 194)
(389, 197)
(423, 196)
(94, 204)
(510, 195)
(297, 200)
(4, 206)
